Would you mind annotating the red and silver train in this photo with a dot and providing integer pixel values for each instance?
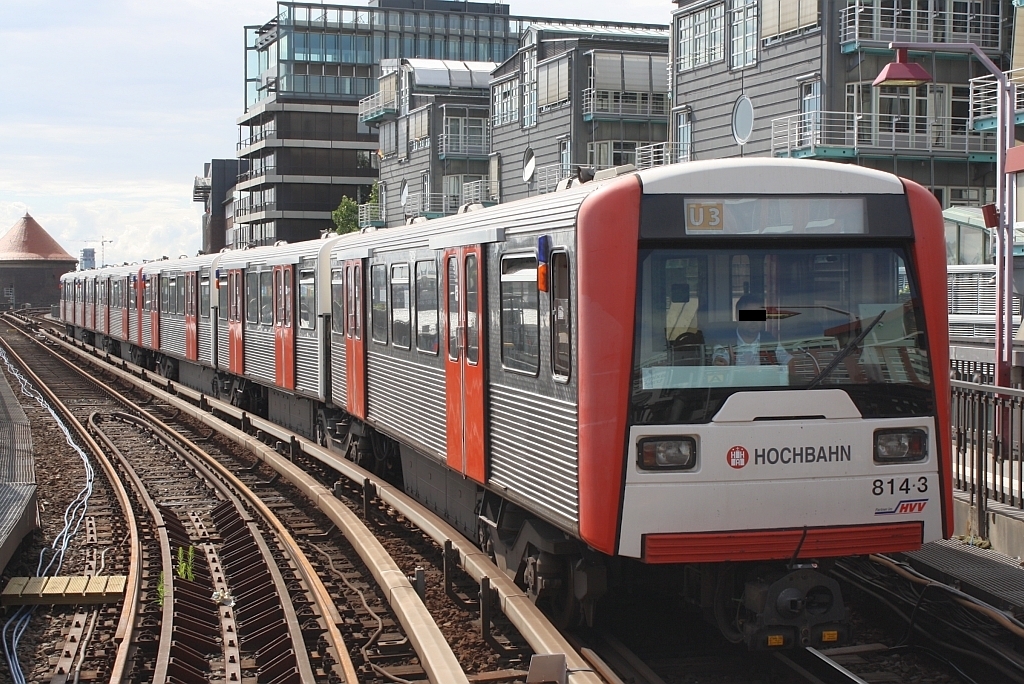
(724, 373)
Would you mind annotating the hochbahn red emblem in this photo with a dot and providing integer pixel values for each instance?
(737, 457)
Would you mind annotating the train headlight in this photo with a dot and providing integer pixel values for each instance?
(674, 453)
(900, 445)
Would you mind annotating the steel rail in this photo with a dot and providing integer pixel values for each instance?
(126, 621)
(816, 667)
(167, 617)
(532, 624)
(323, 598)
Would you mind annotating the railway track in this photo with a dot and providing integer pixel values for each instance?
(416, 537)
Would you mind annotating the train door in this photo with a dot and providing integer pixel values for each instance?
(355, 347)
(104, 306)
(139, 286)
(191, 322)
(90, 307)
(464, 361)
(236, 303)
(156, 282)
(284, 328)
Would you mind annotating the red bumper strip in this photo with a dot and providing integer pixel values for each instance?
(821, 542)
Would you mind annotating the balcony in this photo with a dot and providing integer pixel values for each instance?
(430, 205)
(379, 106)
(252, 173)
(371, 216)
(865, 24)
(257, 135)
(463, 145)
(485, 191)
(549, 175)
(838, 135)
(661, 154)
(201, 189)
(985, 95)
(603, 104)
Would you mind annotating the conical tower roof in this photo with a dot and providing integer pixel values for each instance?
(27, 241)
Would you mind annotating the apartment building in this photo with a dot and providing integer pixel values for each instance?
(215, 189)
(792, 78)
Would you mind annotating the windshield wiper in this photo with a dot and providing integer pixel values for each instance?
(850, 346)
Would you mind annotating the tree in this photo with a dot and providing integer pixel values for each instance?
(346, 216)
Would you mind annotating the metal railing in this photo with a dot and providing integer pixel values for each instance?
(624, 104)
(245, 208)
(378, 104)
(661, 154)
(985, 93)
(802, 133)
(464, 144)
(257, 135)
(251, 173)
(430, 204)
(371, 214)
(987, 450)
(484, 191)
(549, 175)
(866, 20)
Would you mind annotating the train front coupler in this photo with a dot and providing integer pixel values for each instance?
(784, 607)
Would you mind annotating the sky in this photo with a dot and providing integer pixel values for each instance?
(110, 108)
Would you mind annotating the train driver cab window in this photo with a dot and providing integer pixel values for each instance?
(378, 304)
(338, 301)
(307, 299)
(204, 296)
(400, 311)
(561, 316)
(426, 306)
(252, 297)
(520, 330)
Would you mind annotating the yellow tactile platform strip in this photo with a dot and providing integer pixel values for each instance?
(64, 590)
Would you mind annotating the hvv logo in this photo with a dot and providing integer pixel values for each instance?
(904, 507)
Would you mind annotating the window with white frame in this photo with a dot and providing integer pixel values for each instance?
(419, 128)
(529, 76)
(701, 37)
(611, 153)
(743, 52)
(553, 83)
(684, 135)
(505, 98)
(388, 139)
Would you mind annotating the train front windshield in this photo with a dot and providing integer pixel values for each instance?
(712, 322)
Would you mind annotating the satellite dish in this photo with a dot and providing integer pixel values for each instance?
(742, 119)
(529, 165)
(405, 193)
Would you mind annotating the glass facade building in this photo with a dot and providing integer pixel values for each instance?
(306, 70)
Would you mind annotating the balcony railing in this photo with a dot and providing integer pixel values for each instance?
(371, 215)
(845, 134)
(661, 154)
(485, 191)
(431, 204)
(378, 105)
(257, 135)
(257, 172)
(867, 21)
(624, 104)
(549, 175)
(985, 95)
(463, 145)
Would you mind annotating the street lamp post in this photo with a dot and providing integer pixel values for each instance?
(903, 73)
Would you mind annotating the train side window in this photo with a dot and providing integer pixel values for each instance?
(289, 295)
(266, 297)
(165, 289)
(426, 306)
(180, 306)
(204, 296)
(279, 293)
(357, 307)
(222, 298)
(472, 297)
(561, 316)
(378, 304)
(307, 299)
(338, 301)
(453, 308)
(252, 297)
(520, 332)
(400, 313)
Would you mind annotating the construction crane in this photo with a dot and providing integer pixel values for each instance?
(103, 242)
